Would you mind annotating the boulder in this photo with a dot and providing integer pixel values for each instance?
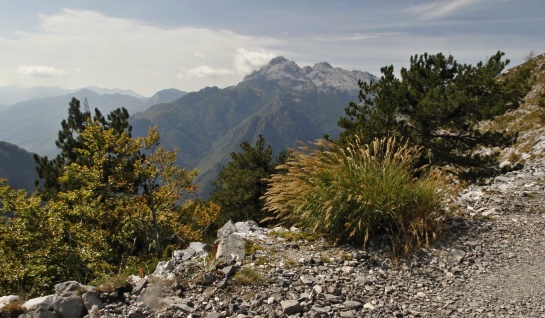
(44, 302)
(38, 313)
(226, 230)
(91, 299)
(71, 288)
(139, 286)
(200, 248)
(164, 268)
(231, 249)
(68, 307)
(291, 307)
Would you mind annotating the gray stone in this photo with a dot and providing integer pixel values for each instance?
(307, 279)
(246, 227)
(139, 286)
(188, 254)
(199, 247)
(291, 307)
(38, 313)
(91, 299)
(226, 230)
(70, 288)
(347, 314)
(352, 304)
(369, 306)
(503, 179)
(229, 270)
(69, 307)
(347, 269)
(456, 256)
(208, 279)
(40, 302)
(164, 268)
(231, 248)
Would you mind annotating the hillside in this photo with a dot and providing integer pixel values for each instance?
(34, 123)
(487, 263)
(281, 101)
(17, 166)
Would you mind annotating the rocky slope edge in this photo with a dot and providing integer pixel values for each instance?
(489, 263)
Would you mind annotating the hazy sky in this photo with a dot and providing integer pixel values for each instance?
(151, 45)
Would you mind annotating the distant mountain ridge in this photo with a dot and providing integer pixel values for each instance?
(17, 166)
(282, 101)
(34, 124)
(14, 94)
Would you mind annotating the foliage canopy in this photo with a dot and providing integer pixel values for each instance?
(241, 184)
(96, 220)
(437, 104)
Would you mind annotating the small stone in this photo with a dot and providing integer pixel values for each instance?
(352, 304)
(291, 307)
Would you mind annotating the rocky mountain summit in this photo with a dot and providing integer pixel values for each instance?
(489, 263)
(281, 101)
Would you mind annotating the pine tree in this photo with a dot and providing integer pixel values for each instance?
(437, 103)
(69, 139)
(241, 184)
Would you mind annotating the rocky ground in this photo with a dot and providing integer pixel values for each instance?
(489, 263)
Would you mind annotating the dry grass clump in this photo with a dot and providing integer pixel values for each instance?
(13, 309)
(359, 193)
(248, 277)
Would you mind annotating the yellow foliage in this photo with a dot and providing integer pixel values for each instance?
(91, 229)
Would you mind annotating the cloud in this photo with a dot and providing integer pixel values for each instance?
(444, 8)
(247, 61)
(200, 55)
(118, 52)
(39, 71)
(204, 71)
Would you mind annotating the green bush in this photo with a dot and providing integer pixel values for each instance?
(359, 193)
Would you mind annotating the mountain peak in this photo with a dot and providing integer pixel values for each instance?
(322, 65)
(278, 60)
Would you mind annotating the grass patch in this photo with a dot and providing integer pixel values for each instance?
(261, 260)
(359, 193)
(250, 247)
(346, 256)
(325, 259)
(110, 283)
(248, 276)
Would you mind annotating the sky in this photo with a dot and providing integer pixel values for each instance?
(147, 46)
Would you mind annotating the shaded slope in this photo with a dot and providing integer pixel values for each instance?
(281, 101)
(17, 165)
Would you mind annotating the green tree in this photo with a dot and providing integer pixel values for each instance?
(437, 104)
(69, 139)
(92, 225)
(241, 184)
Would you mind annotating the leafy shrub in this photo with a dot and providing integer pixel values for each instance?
(359, 193)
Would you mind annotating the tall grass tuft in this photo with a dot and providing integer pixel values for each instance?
(359, 193)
